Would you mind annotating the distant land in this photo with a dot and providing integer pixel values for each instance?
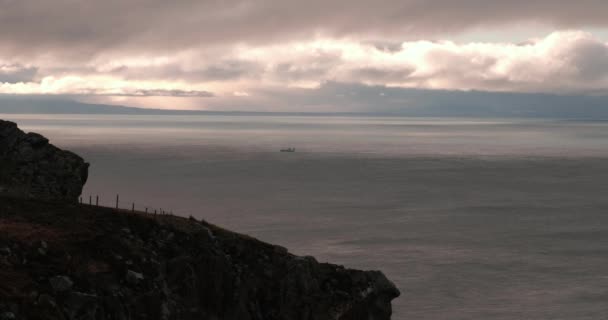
(371, 101)
(40, 105)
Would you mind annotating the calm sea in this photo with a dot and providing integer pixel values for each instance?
(471, 218)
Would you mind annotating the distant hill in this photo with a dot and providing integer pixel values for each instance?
(458, 103)
(40, 105)
(369, 101)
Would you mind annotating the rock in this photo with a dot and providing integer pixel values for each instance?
(61, 284)
(7, 316)
(30, 167)
(280, 250)
(133, 277)
(173, 268)
(379, 296)
(165, 314)
(45, 308)
(82, 306)
(43, 248)
(209, 233)
(5, 251)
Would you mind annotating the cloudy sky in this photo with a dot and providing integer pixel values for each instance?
(244, 54)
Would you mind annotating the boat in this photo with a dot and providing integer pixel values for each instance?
(288, 150)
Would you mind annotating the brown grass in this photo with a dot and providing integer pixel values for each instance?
(29, 232)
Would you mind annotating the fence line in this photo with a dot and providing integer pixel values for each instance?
(125, 206)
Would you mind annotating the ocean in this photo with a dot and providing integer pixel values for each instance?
(470, 218)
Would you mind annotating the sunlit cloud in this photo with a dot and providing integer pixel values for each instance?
(101, 85)
(569, 61)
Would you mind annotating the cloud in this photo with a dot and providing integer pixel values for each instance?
(165, 93)
(383, 75)
(178, 68)
(15, 73)
(561, 62)
(569, 61)
(102, 86)
(81, 28)
(244, 52)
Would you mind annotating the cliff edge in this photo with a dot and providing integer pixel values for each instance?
(72, 261)
(62, 260)
(32, 168)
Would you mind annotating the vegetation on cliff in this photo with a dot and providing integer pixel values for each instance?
(71, 261)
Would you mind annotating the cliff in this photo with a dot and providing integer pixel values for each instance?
(62, 260)
(71, 261)
(30, 167)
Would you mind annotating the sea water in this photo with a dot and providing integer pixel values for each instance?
(471, 218)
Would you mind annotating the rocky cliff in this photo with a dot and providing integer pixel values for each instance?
(62, 260)
(71, 261)
(30, 167)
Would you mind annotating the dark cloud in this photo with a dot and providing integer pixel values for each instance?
(228, 70)
(316, 65)
(222, 70)
(381, 75)
(386, 46)
(589, 58)
(15, 73)
(83, 27)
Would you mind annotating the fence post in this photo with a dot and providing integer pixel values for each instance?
(97, 201)
(146, 210)
(117, 202)
(133, 207)
(90, 200)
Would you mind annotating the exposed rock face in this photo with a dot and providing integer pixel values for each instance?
(30, 167)
(100, 264)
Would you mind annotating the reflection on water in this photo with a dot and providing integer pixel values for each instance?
(472, 219)
(322, 135)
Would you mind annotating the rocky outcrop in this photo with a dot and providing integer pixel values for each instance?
(71, 261)
(62, 260)
(30, 167)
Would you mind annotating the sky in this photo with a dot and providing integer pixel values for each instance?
(264, 54)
